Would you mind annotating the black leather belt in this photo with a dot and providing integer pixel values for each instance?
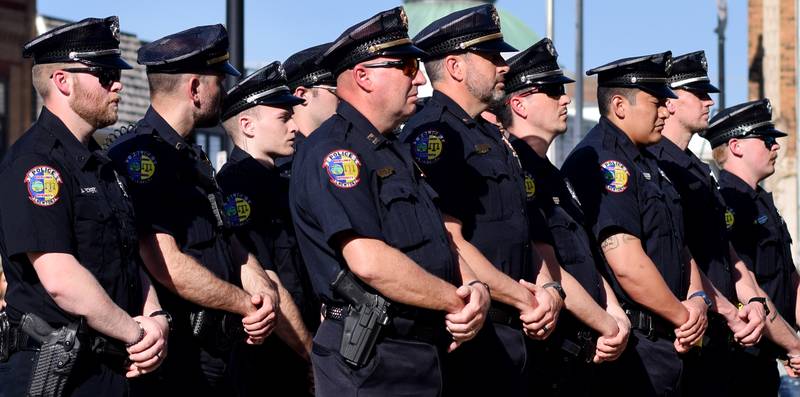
(420, 329)
(334, 312)
(503, 316)
(652, 326)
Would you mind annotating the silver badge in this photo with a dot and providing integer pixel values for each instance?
(404, 18)
(495, 17)
(551, 49)
(281, 71)
(769, 106)
(114, 28)
(668, 65)
(646, 175)
(556, 200)
(703, 62)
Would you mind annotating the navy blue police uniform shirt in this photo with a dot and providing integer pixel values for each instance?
(174, 192)
(478, 179)
(760, 237)
(257, 208)
(348, 178)
(61, 196)
(621, 189)
(556, 218)
(704, 212)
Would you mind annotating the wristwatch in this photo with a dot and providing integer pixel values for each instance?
(163, 313)
(703, 295)
(763, 301)
(556, 286)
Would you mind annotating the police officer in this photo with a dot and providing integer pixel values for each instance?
(257, 114)
(315, 84)
(67, 235)
(480, 184)
(744, 142)
(633, 211)
(362, 210)
(534, 111)
(219, 294)
(708, 370)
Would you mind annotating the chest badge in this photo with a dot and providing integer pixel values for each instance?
(343, 167)
(44, 185)
(428, 147)
(530, 187)
(385, 172)
(238, 208)
(141, 166)
(729, 218)
(615, 175)
(482, 148)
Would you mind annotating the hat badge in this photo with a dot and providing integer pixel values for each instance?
(703, 63)
(769, 106)
(551, 49)
(668, 65)
(495, 17)
(114, 28)
(404, 18)
(281, 71)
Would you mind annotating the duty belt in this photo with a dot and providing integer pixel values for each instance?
(501, 315)
(652, 326)
(422, 331)
(109, 351)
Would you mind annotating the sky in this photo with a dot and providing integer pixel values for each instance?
(613, 29)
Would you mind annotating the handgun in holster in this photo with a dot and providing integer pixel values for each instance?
(582, 346)
(217, 331)
(60, 349)
(5, 337)
(368, 314)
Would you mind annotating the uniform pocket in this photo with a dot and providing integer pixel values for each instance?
(96, 237)
(490, 189)
(569, 247)
(767, 261)
(399, 218)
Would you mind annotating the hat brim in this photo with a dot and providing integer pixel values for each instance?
(108, 61)
(771, 131)
(558, 79)
(286, 99)
(405, 50)
(493, 46)
(700, 86)
(227, 68)
(657, 90)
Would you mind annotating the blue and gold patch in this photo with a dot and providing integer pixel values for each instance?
(141, 166)
(530, 187)
(343, 167)
(43, 185)
(729, 218)
(428, 147)
(237, 209)
(615, 175)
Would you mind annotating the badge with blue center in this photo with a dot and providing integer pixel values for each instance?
(237, 209)
(428, 147)
(615, 176)
(343, 167)
(43, 184)
(141, 166)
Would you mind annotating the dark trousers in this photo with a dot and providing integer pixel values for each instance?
(710, 371)
(648, 367)
(188, 370)
(755, 375)
(397, 367)
(89, 377)
(270, 369)
(554, 372)
(492, 364)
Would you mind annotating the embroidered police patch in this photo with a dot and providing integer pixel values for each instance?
(141, 166)
(237, 209)
(530, 187)
(729, 218)
(615, 175)
(343, 168)
(428, 147)
(43, 185)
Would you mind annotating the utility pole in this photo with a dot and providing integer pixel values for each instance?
(577, 128)
(235, 22)
(722, 21)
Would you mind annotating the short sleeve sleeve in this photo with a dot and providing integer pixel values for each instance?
(36, 207)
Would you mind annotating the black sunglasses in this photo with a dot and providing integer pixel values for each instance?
(551, 90)
(769, 141)
(107, 76)
(410, 66)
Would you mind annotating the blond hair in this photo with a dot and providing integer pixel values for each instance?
(42, 74)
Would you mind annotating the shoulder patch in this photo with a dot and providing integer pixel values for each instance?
(343, 167)
(428, 146)
(141, 166)
(530, 187)
(237, 209)
(729, 218)
(615, 175)
(43, 185)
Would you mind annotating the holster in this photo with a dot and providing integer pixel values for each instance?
(582, 345)
(367, 316)
(5, 337)
(216, 331)
(53, 364)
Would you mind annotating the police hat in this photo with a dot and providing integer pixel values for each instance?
(266, 86)
(92, 41)
(647, 73)
(690, 72)
(537, 65)
(385, 34)
(749, 118)
(472, 29)
(195, 50)
(302, 69)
